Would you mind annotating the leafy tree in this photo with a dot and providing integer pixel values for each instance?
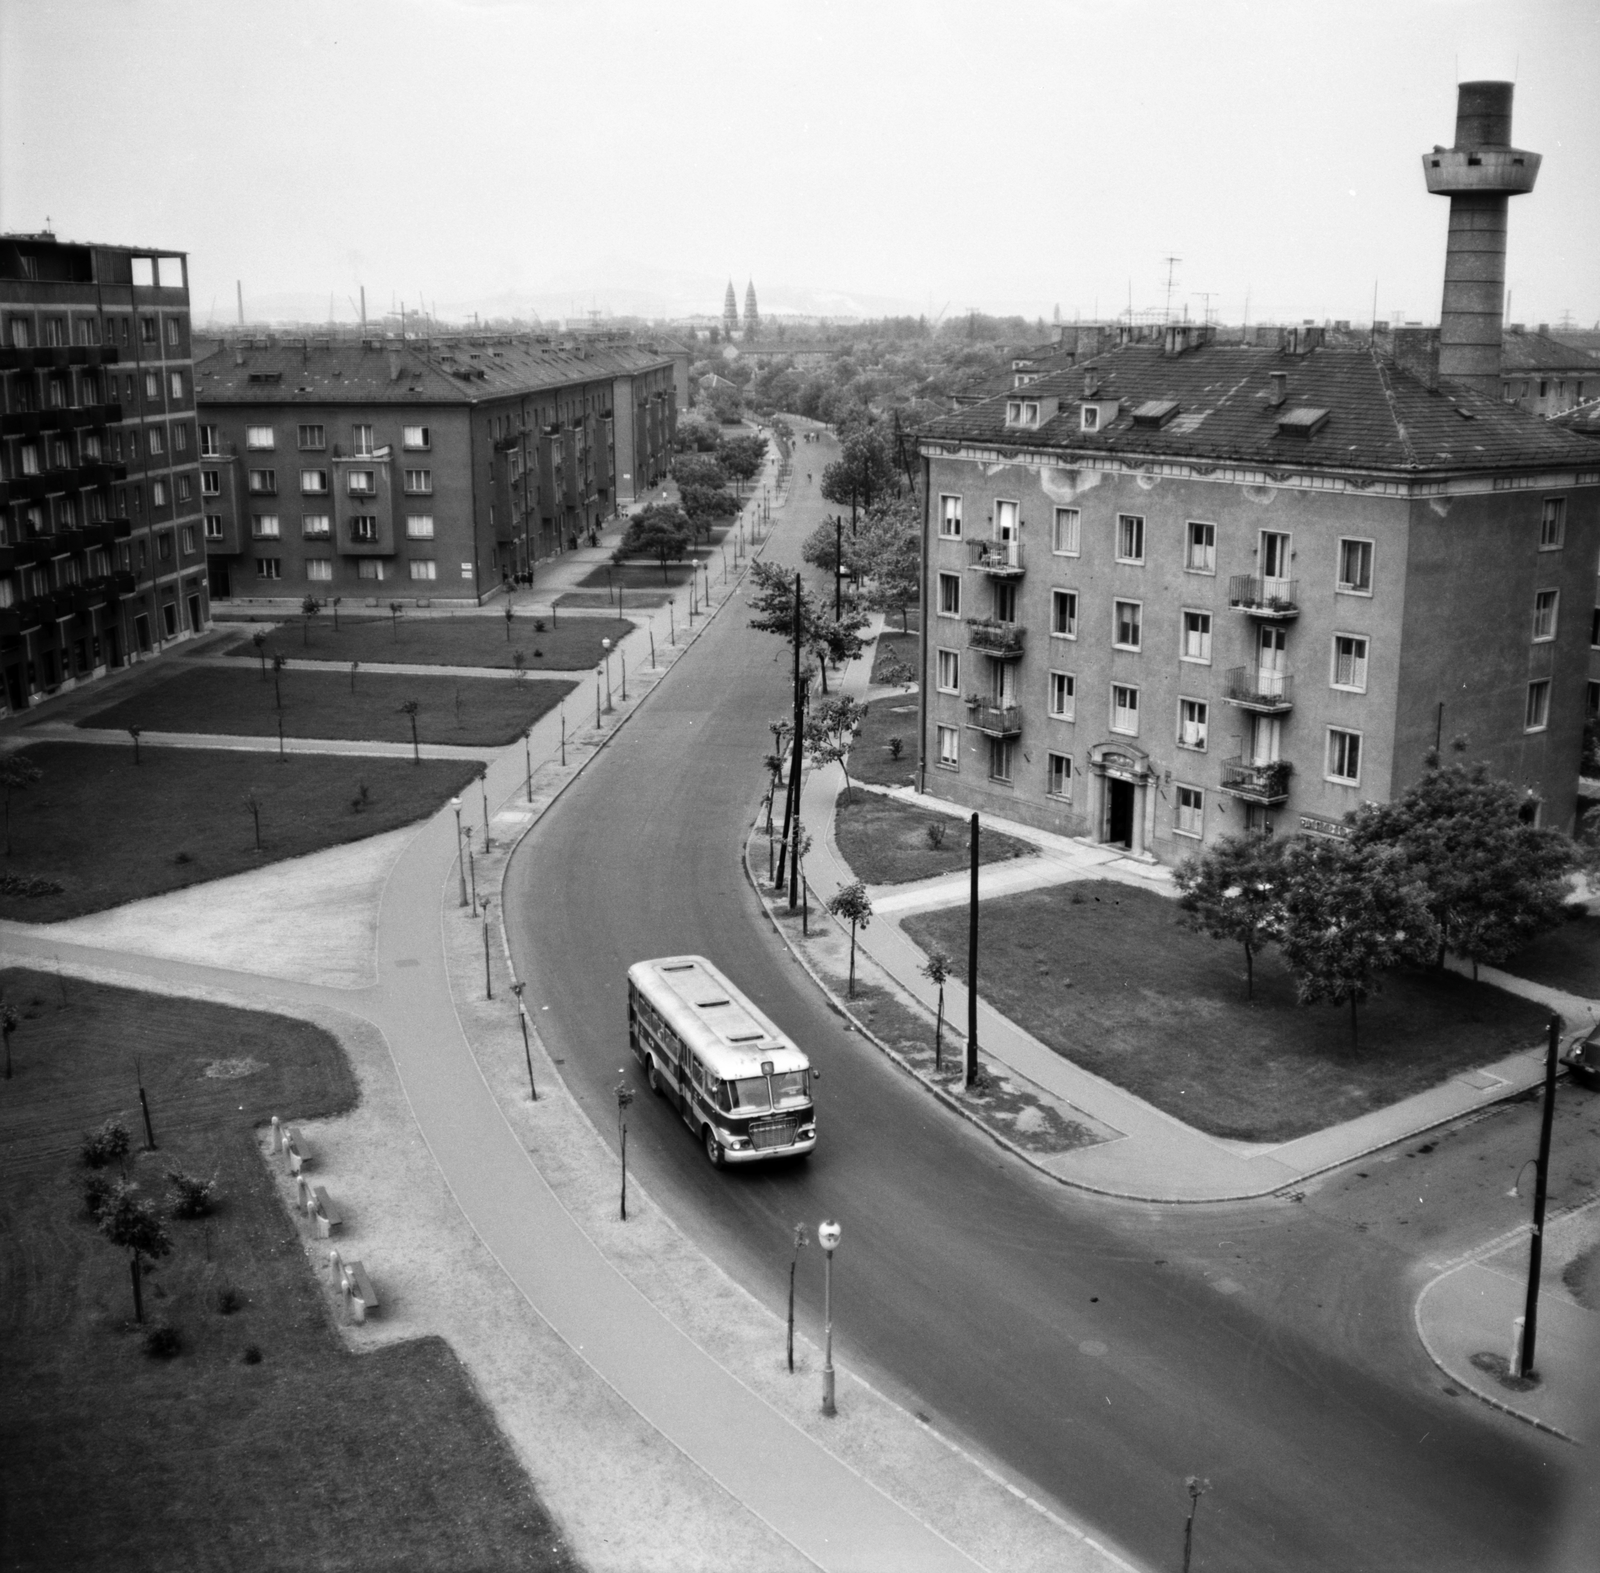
(937, 969)
(660, 530)
(1349, 914)
(838, 639)
(830, 730)
(409, 709)
(702, 506)
(852, 905)
(395, 609)
(17, 774)
(890, 553)
(1232, 891)
(10, 1020)
(832, 551)
(1492, 881)
(864, 471)
(697, 433)
(742, 457)
(309, 608)
(725, 404)
(695, 469)
(134, 1225)
(771, 598)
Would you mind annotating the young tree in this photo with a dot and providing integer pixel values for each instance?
(889, 549)
(659, 530)
(409, 709)
(937, 969)
(510, 613)
(830, 730)
(852, 905)
(1232, 891)
(17, 774)
(1349, 915)
(395, 609)
(334, 603)
(134, 732)
(253, 806)
(309, 608)
(279, 661)
(134, 1225)
(259, 640)
(837, 640)
(1492, 881)
(10, 1020)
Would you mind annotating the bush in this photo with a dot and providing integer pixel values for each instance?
(252, 1355)
(896, 747)
(110, 1142)
(163, 1342)
(538, 625)
(228, 1301)
(96, 1193)
(28, 887)
(192, 1197)
(936, 830)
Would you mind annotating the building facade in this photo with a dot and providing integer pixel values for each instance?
(1194, 589)
(1545, 376)
(101, 560)
(435, 470)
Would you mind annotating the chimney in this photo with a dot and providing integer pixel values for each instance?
(1091, 381)
(394, 366)
(1280, 388)
(1418, 351)
(1480, 175)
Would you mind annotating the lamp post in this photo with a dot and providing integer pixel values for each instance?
(828, 1233)
(527, 758)
(472, 874)
(605, 644)
(483, 788)
(1541, 1181)
(527, 1053)
(488, 978)
(461, 862)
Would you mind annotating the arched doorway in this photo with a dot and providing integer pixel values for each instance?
(1120, 778)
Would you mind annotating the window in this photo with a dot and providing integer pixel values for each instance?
(416, 437)
(1064, 614)
(1350, 662)
(361, 441)
(1130, 538)
(210, 444)
(1355, 567)
(1274, 555)
(186, 543)
(180, 439)
(1058, 776)
(1344, 756)
(314, 481)
(1126, 624)
(1091, 417)
(950, 517)
(949, 747)
(172, 327)
(1553, 524)
(1002, 753)
(1125, 709)
(419, 481)
(316, 525)
(213, 526)
(1063, 695)
(1064, 539)
(152, 385)
(949, 595)
(1005, 603)
(419, 527)
(175, 384)
(1196, 637)
(259, 437)
(361, 483)
(319, 568)
(30, 458)
(1192, 718)
(949, 672)
(424, 568)
(158, 442)
(1594, 628)
(1022, 412)
(364, 527)
(133, 445)
(1591, 699)
(269, 567)
(185, 485)
(1537, 717)
(1200, 555)
(158, 494)
(1544, 615)
(370, 568)
(1188, 811)
(311, 439)
(263, 480)
(265, 526)
(164, 546)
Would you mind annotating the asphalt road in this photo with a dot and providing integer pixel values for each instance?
(1099, 1351)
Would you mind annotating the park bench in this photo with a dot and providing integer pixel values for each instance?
(328, 1217)
(363, 1297)
(299, 1154)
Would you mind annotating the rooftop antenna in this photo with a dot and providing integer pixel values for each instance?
(1246, 325)
(363, 311)
(1374, 337)
(1172, 268)
(238, 286)
(1207, 296)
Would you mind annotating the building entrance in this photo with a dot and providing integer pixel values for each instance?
(1119, 812)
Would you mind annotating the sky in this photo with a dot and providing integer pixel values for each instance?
(920, 155)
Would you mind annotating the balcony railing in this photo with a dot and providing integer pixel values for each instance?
(996, 720)
(999, 559)
(1264, 597)
(1258, 783)
(1001, 640)
(1251, 688)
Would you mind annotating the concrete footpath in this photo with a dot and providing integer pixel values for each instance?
(636, 1326)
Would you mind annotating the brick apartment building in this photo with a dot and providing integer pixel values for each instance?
(426, 470)
(101, 560)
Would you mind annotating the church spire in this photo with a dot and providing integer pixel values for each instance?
(730, 312)
(752, 317)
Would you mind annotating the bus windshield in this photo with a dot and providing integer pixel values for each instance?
(753, 1094)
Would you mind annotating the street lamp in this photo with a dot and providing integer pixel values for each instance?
(828, 1233)
(461, 862)
(483, 787)
(605, 644)
(527, 1053)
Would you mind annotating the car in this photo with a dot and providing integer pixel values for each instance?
(1583, 1060)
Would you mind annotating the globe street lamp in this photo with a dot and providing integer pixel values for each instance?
(461, 862)
(828, 1233)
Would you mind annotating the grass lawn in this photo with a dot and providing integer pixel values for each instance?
(871, 758)
(1104, 975)
(886, 842)
(570, 646)
(109, 831)
(471, 711)
(311, 1457)
(637, 600)
(640, 575)
(904, 648)
(1567, 957)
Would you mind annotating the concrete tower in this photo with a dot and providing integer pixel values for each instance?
(730, 313)
(1479, 175)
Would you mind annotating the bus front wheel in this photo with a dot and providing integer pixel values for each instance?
(650, 1075)
(713, 1148)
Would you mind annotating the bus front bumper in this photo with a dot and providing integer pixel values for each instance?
(802, 1144)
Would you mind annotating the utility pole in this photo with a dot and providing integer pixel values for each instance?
(1172, 269)
(799, 746)
(1541, 1180)
(972, 963)
(838, 562)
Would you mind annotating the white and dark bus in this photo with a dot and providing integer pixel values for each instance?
(741, 1086)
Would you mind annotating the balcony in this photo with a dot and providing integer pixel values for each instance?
(21, 423)
(1267, 693)
(1003, 641)
(994, 720)
(1257, 783)
(998, 559)
(1275, 599)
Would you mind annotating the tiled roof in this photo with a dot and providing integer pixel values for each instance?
(450, 372)
(1379, 416)
(1583, 419)
(1539, 352)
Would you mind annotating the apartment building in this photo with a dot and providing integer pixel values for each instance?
(432, 470)
(1543, 375)
(101, 560)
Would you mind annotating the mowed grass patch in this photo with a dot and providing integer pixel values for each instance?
(1565, 957)
(872, 755)
(311, 1457)
(365, 707)
(569, 646)
(109, 831)
(888, 843)
(1105, 975)
(906, 649)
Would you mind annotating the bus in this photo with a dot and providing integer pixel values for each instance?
(741, 1086)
